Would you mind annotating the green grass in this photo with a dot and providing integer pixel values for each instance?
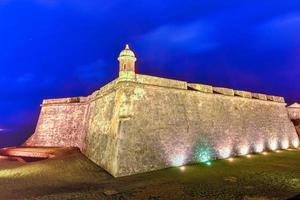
(272, 176)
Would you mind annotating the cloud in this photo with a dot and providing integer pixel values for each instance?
(194, 37)
(281, 32)
(2, 130)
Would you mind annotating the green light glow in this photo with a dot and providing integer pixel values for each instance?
(203, 154)
(208, 163)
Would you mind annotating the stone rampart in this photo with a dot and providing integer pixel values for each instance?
(161, 127)
(130, 127)
(294, 113)
(61, 124)
(101, 143)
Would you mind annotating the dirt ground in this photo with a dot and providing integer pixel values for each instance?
(272, 176)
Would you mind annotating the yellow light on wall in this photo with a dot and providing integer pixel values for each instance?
(259, 148)
(295, 143)
(224, 152)
(244, 150)
(273, 145)
(178, 160)
(285, 144)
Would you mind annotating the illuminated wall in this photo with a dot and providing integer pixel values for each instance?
(170, 127)
(61, 123)
(294, 114)
(150, 123)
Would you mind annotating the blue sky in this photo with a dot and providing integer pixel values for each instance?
(52, 48)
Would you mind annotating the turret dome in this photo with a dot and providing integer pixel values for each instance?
(127, 54)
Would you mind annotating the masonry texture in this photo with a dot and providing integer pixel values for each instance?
(139, 123)
(294, 113)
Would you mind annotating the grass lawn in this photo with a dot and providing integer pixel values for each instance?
(272, 176)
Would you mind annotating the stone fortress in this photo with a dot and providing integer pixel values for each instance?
(139, 123)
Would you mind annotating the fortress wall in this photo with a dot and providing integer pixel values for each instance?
(61, 123)
(103, 90)
(166, 127)
(100, 142)
(294, 113)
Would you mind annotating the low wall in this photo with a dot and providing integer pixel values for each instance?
(166, 127)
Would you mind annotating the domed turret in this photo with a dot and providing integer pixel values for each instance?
(127, 54)
(127, 64)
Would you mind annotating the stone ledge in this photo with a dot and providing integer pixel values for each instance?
(275, 98)
(224, 91)
(243, 93)
(64, 100)
(259, 96)
(201, 87)
(164, 82)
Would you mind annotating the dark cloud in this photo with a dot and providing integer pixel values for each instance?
(280, 33)
(198, 36)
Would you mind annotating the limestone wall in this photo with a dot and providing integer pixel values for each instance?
(151, 123)
(100, 141)
(294, 113)
(166, 127)
(61, 123)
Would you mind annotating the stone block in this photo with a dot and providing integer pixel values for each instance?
(259, 96)
(225, 91)
(243, 93)
(163, 82)
(201, 87)
(275, 98)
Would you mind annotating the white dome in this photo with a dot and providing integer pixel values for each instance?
(127, 53)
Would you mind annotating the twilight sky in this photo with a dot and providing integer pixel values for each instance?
(61, 48)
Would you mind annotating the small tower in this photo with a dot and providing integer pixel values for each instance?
(127, 64)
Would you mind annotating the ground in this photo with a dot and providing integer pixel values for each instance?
(72, 176)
